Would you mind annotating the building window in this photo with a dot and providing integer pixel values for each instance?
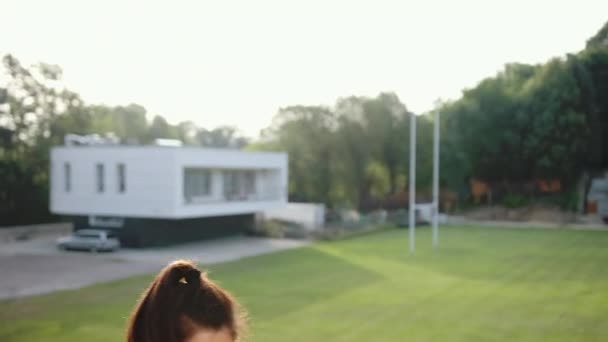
(230, 189)
(239, 185)
(197, 184)
(99, 175)
(122, 180)
(67, 177)
(249, 178)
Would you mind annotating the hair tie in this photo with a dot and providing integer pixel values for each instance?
(191, 276)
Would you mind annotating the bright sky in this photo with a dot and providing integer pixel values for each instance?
(237, 62)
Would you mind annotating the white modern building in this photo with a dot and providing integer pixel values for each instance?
(115, 186)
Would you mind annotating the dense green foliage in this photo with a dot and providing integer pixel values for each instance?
(532, 122)
(527, 123)
(351, 155)
(483, 284)
(523, 124)
(37, 111)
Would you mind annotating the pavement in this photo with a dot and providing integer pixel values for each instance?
(37, 266)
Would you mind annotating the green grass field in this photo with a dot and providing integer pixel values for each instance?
(480, 285)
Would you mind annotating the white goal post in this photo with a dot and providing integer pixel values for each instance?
(412, 183)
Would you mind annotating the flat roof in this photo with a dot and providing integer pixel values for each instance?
(165, 148)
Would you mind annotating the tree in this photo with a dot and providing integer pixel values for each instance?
(130, 122)
(592, 66)
(600, 40)
(525, 123)
(37, 111)
(187, 132)
(32, 98)
(304, 132)
(378, 178)
(354, 155)
(221, 137)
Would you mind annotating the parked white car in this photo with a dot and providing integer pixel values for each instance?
(90, 239)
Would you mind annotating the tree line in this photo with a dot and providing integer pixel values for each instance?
(528, 122)
(531, 122)
(37, 110)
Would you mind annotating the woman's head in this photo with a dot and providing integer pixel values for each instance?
(183, 305)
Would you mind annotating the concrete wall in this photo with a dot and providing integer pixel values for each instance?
(309, 215)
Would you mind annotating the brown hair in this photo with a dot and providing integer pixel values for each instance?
(178, 301)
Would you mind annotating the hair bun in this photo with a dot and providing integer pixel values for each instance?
(193, 276)
(185, 272)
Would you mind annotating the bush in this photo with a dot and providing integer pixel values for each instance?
(269, 228)
(340, 233)
(513, 201)
(279, 229)
(567, 201)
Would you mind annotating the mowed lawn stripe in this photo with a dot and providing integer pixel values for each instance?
(418, 318)
(482, 284)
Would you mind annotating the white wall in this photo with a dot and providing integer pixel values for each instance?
(602, 207)
(149, 187)
(154, 181)
(310, 215)
(424, 213)
(599, 193)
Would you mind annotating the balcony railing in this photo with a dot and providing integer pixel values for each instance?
(272, 195)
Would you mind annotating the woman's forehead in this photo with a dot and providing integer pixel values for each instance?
(211, 335)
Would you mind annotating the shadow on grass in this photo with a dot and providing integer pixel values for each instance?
(277, 284)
